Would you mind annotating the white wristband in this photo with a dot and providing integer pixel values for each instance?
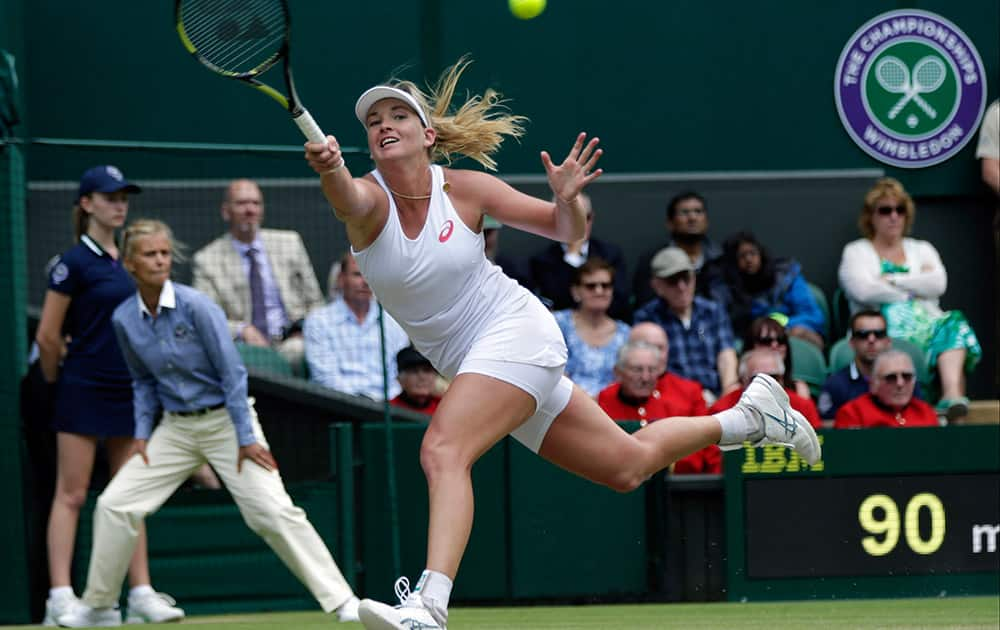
(335, 168)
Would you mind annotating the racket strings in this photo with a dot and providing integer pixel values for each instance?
(239, 37)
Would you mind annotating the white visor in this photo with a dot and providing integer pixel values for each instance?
(379, 92)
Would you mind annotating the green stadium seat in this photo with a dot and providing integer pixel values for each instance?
(840, 312)
(264, 360)
(824, 305)
(841, 354)
(808, 364)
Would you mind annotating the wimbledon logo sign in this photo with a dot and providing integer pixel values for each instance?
(910, 88)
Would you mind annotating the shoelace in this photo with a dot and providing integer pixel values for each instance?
(412, 600)
(402, 588)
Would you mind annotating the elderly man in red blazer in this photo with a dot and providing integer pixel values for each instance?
(890, 403)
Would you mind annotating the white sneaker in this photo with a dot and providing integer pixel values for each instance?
(152, 608)
(768, 403)
(56, 606)
(411, 614)
(348, 611)
(83, 616)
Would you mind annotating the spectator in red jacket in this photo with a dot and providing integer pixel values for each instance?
(890, 403)
(635, 396)
(418, 378)
(682, 396)
(767, 361)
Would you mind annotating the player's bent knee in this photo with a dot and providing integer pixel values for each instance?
(439, 455)
(626, 481)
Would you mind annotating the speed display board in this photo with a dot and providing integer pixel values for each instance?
(888, 512)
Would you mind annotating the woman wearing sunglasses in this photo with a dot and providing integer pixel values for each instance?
(905, 278)
(767, 332)
(592, 336)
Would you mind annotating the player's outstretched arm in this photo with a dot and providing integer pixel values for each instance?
(352, 198)
(567, 180)
(565, 220)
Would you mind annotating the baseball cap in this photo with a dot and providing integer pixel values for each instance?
(669, 261)
(380, 92)
(408, 358)
(105, 179)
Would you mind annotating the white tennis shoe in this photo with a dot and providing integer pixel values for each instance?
(153, 608)
(57, 606)
(776, 421)
(412, 613)
(348, 611)
(83, 616)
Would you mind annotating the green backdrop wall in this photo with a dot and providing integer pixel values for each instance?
(669, 86)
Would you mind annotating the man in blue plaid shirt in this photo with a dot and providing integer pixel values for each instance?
(700, 334)
(342, 340)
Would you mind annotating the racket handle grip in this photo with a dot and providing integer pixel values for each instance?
(309, 127)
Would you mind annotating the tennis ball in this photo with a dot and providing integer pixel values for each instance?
(526, 9)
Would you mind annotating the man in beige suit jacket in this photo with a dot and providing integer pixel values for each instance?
(286, 288)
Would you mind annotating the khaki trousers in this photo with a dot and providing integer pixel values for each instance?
(178, 446)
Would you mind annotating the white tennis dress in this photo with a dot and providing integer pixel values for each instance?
(462, 312)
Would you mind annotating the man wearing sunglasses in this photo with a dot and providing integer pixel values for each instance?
(868, 339)
(890, 401)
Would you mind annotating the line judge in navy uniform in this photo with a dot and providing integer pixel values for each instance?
(90, 384)
(183, 362)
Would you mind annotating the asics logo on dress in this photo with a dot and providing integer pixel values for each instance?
(445, 233)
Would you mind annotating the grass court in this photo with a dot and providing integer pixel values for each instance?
(964, 613)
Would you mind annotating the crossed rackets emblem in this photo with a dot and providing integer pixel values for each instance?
(894, 76)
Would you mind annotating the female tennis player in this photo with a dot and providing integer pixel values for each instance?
(415, 229)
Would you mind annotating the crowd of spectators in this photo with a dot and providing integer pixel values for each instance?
(665, 342)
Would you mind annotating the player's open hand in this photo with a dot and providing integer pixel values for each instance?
(258, 455)
(576, 171)
(324, 158)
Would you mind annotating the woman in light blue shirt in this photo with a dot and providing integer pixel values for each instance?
(592, 336)
(183, 362)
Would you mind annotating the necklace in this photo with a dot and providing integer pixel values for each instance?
(445, 187)
(417, 197)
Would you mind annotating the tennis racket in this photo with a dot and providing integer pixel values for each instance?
(243, 39)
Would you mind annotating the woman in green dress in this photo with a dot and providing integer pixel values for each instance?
(905, 278)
